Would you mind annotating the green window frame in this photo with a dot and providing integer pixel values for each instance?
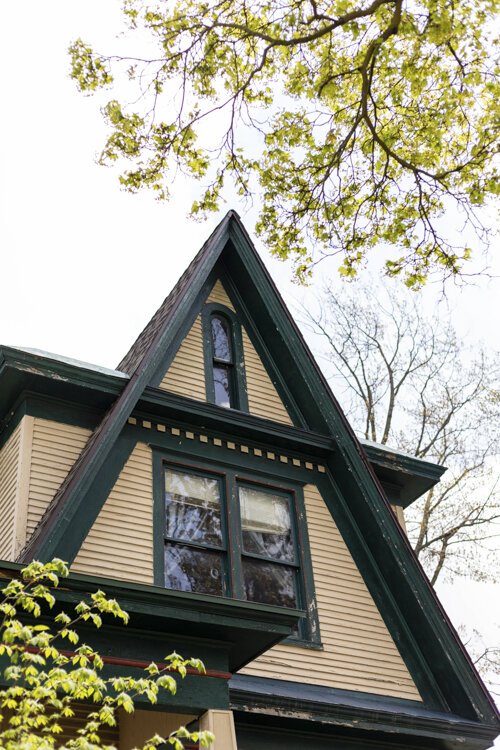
(288, 575)
(224, 370)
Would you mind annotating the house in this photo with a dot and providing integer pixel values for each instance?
(212, 484)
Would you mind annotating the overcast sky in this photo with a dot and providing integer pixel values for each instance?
(84, 265)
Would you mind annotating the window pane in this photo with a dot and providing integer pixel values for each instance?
(269, 584)
(192, 506)
(221, 340)
(222, 386)
(188, 569)
(265, 524)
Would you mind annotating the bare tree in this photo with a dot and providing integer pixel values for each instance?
(406, 380)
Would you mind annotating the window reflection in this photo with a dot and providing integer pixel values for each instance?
(194, 557)
(222, 386)
(221, 339)
(265, 524)
(267, 543)
(192, 505)
(223, 365)
(190, 569)
(269, 584)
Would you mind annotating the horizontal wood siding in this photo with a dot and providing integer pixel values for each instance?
(55, 448)
(219, 295)
(120, 543)
(9, 465)
(263, 398)
(186, 374)
(359, 653)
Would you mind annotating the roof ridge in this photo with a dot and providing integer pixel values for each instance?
(134, 355)
(114, 419)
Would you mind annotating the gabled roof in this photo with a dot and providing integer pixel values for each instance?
(434, 654)
(140, 362)
(142, 344)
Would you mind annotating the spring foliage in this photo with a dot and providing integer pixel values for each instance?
(43, 682)
(356, 123)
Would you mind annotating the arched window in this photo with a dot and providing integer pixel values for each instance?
(222, 362)
(223, 357)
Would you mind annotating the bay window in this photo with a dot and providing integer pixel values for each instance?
(263, 562)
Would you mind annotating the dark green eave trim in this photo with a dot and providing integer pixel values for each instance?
(413, 476)
(157, 403)
(243, 628)
(317, 703)
(46, 366)
(91, 465)
(370, 513)
(25, 372)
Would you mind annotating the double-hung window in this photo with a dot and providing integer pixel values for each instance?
(262, 564)
(195, 547)
(269, 555)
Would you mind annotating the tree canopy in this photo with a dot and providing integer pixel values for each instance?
(43, 685)
(356, 123)
(408, 381)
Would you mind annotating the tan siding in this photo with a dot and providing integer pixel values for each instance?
(263, 398)
(186, 374)
(400, 515)
(55, 448)
(137, 728)
(359, 653)
(9, 464)
(120, 543)
(219, 295)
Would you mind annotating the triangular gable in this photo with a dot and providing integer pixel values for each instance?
(433, 653)
(358, 652)
(186, 374)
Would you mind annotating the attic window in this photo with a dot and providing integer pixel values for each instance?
(224, 365)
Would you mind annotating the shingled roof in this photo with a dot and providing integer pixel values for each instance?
(139, 363)
(143, 342)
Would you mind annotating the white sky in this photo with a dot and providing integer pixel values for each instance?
(84, 265)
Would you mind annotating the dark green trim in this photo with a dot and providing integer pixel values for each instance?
(46, 366)
(15, 416)
(335, 708)
(182, 331)
(66, 536)
(238, 379)
(298, 730)
(413, 476)
(156, 403)
(44, 407)
(194, 458)
(274, 372)
(241, 630)
(313, 634)
(158, 520)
